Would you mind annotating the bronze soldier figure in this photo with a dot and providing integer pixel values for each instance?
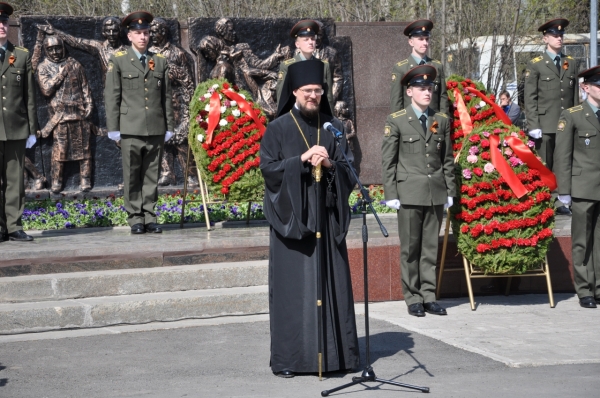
(182, 86)
(330, 55)
(62, 81)
(343, 113)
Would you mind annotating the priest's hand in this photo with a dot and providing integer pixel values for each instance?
(316, 155)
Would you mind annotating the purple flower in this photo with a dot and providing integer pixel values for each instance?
(473, 150)
(68, 225)
(58, 205)
(515, 161)
(485, 134)
(530, 144)
(467, 174)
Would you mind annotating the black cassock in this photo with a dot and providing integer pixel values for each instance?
(290, 208)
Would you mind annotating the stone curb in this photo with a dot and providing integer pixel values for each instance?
(132, 309)
(77, 285)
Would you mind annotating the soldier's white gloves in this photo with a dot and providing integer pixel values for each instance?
(565, 199)
(537, 134)
(168, 136)
(449, 203)
(31, 140)
(114, 135)
(394, 204)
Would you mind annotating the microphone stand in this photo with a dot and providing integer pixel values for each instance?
(368, 374)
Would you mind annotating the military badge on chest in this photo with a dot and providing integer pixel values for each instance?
(158, 82)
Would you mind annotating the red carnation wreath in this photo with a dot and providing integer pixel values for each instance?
(225, 132)
(504, 218)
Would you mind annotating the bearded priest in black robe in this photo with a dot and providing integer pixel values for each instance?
(293, 144)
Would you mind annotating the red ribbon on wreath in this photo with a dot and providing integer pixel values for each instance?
(520, 149)
(245, 107)
(214, 115)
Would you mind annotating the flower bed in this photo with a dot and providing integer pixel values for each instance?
(110, 212)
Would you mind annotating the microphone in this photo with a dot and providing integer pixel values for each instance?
(336, 133)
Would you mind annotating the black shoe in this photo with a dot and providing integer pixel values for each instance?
(434, 308)
(20, 236)
(416, 310)
(3, 236)
(153, 228)
(137, 229)
(563, 211)
(598, 301)
(587, 302)
(286, 374)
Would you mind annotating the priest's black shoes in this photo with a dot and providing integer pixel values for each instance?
(286, 374)
(416, 309)
(137, 229)
(153, 228)
(587, 302)
(19, 236)
(434, 308)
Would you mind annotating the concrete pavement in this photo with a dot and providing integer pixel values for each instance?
(462, 355)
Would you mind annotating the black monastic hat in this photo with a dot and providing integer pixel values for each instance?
(422, 27)
(420, 75)
(306, 27)
(591, 75)
(555, 26)
(137, 20)
(6, 11)
(301, 74)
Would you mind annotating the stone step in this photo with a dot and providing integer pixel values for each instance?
(75, 285)
(95, 312)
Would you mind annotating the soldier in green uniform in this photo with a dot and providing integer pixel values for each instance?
(418, 177)
(550, 87)
(418, 33)
(139, 112)
(577, 168)
(304, 33)
(18, 125)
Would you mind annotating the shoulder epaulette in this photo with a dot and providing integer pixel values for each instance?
(575, 109)
(289, 61)
(442, 114)
(159, 55)
(324, 61)
(399, 113)
(22, 49)
(569, 57)
(120, 53)
(436, 61)
(538, 59)
(402, 62)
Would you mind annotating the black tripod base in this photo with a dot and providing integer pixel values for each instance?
(369, 375)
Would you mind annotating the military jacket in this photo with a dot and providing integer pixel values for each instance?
(577, 153)
(418, 167)
(548, 92)
(138, 100)
(18, 118)
(398, 98)
(327, 78)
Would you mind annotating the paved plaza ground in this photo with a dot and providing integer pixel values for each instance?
(510, 347)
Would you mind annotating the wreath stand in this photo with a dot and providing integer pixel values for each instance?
(203, 194)
(472, 272)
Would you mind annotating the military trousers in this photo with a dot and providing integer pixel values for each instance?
(545, 147)
(141, 170)
(585, 238)
(12, 185)
(419, 228)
